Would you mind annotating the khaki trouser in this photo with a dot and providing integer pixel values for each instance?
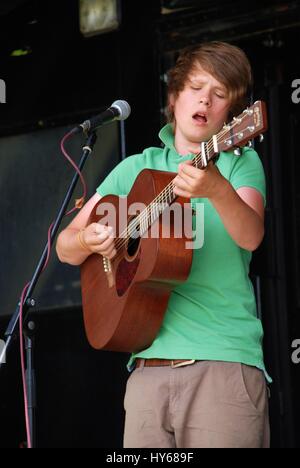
(208, 404)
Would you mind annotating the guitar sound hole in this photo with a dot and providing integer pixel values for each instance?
(132, 246)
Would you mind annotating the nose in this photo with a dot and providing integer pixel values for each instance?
(204, 100)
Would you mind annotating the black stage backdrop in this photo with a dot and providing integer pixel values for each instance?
(34, 177)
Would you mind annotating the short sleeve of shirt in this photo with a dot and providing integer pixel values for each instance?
(120, 180)
(247, 171)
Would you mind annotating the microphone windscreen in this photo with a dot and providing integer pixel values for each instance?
(123, 108)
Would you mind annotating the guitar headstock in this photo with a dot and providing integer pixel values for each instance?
(248, 125)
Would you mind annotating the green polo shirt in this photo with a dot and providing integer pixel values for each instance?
(211, 316)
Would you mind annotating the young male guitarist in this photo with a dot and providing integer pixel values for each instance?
(202, 382)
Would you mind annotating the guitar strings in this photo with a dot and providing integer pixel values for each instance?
(167, 194)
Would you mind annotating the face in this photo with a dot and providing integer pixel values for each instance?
(200, 111)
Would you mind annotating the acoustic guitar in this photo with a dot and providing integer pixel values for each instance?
(124, 299)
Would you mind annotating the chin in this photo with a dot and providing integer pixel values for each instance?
(204, 136)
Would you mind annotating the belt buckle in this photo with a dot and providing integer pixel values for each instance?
(181, 364)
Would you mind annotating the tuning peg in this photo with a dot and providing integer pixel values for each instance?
(261, 138)
(237, 152)
(250, 144)
(237, 120)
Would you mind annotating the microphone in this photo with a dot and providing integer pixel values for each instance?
(119, 110)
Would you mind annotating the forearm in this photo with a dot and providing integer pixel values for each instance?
(242, 222)
(69, 249)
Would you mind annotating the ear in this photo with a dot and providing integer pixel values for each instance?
(171, 100)
(170, 108)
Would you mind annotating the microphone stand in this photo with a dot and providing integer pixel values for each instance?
(12, 329)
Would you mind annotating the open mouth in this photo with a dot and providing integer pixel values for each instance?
(201, 118)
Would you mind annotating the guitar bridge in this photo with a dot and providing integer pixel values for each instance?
(107, 266)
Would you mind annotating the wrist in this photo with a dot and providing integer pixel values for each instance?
(81, 241)
(222, 192)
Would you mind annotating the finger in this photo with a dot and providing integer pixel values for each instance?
(95, 241)
(181, 193)
(107, 244)
(99, 228)
(189, 162)
(188, 170)
(100, 238)
(108, 233)
(111, 232)
(182, 183)
(110, 253)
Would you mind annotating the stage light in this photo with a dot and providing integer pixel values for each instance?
(98, 16)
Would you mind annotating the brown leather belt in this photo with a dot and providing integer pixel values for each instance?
(163, 362)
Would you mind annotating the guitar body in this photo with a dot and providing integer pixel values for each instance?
(123, 309)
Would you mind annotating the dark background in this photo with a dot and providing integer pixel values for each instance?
(62, 79)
